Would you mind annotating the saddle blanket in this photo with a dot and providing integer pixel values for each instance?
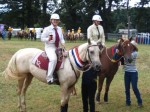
(41, 61)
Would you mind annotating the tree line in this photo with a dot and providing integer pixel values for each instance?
(76, 13)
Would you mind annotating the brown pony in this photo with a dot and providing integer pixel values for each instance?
(109, 68)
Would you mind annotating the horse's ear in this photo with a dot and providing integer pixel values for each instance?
(121, 39)
(89, 41)
(100, 45)
(130, 39)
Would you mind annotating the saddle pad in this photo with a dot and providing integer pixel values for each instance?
(41, 61)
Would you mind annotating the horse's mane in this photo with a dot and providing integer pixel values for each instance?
(93, 42)
(73, 47)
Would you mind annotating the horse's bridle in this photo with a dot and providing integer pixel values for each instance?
(90, 63)
(122, 51)
(122, 48)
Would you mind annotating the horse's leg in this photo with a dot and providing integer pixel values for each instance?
(27, 82)
(65, 95)
(23, 85)
(74, 92)
(19, 89)
(100, 85)
(108, 81)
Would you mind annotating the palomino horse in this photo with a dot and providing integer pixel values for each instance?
(79, 36)
(109, 68)
(20, 67)
(20, 34)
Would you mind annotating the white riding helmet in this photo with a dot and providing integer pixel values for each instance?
(97, 18)
(55, 16)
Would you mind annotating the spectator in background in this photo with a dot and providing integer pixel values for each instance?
(72, 32)
(68, 33)
(34, 33)
(4, 34)
(10, 29)
(79, 30)
(26, 29)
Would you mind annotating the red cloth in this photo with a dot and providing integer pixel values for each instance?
(42, 62)
(113, 50)
(57, 38)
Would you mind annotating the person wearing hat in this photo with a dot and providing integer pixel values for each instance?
(72, 32)
(10, 29)
(79, 30)
(68, 32)
(52, 36)
(131, 76)
(95, 32)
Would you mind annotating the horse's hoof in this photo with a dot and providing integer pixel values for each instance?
(106, 102)
(21, 110)
(97, 98)
(98, 102)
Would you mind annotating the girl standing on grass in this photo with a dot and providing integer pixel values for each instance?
(131, 76)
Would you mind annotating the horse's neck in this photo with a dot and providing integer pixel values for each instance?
(110, 50)
(82, 49)
(78, 56)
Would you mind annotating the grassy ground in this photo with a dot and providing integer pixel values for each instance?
(44, 98)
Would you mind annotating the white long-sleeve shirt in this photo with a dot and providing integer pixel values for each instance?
(92, 33)
(50, 30)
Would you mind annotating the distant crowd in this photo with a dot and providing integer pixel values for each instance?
(34, 33)
(20, 34)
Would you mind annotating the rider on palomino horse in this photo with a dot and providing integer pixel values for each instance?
(51, 36)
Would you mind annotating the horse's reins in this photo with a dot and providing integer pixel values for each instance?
(89, 62)
(110, 58)
(119, 58)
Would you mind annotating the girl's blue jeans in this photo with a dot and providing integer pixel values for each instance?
(132, 77)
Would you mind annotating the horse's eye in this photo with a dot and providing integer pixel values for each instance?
(91, 52)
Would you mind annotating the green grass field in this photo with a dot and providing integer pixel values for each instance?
(44, 98)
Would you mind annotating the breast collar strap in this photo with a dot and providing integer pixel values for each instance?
(79, 63)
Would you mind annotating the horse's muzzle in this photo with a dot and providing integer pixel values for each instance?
(130, 60)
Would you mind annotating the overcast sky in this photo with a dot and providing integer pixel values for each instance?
(132, 2)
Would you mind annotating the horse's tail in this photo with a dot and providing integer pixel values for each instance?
(11, 71)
